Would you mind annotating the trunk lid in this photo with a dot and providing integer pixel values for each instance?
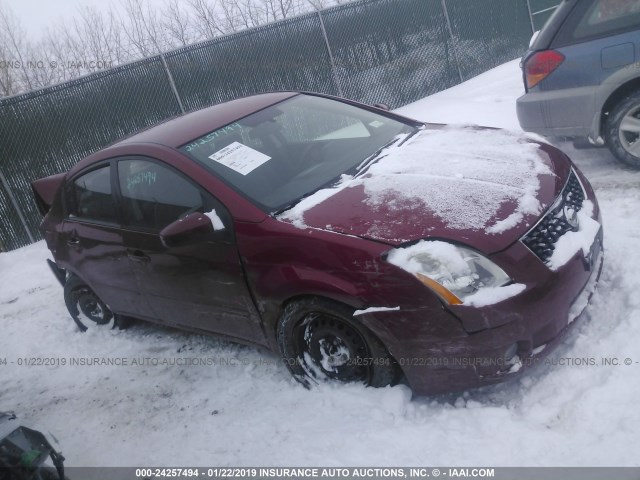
(44, 191)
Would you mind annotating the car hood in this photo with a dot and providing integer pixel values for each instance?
(482, 187)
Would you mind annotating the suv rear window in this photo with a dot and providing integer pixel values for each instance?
(600, 18)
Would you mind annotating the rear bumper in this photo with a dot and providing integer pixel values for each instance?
(558, 113)
(59, 273)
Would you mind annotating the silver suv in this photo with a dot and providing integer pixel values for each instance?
(582, 76)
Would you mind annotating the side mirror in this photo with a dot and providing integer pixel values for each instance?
(382, 106)
(193, 228)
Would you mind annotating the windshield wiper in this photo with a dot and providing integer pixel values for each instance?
(370, 160)
(288, 206)
(292, 204)
(405, 139)
(374, 157)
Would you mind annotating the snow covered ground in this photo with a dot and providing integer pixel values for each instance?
(246, 410)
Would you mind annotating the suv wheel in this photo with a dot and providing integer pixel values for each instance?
(622, 130)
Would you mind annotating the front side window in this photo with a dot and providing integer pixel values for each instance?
(285, 152)
(153, 196)
(90, 196)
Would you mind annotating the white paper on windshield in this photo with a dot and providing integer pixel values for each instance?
(240, 158)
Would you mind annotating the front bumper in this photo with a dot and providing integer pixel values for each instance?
(534, 326)
(496, 342)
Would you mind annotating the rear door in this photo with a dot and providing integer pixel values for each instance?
(200, 285)
(90, 242)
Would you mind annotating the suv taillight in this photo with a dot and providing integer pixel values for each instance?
(540, 65)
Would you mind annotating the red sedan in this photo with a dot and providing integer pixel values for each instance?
(359, 245)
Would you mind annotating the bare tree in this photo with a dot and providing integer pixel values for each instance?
(143, 27)
(95, 39)
(320, 4)
(7, 78)
(14, 47)
(206, 18)
(178, 22)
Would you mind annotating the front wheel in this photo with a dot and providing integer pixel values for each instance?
(622, 130)
(320, 340)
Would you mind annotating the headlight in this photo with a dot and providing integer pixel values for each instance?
(453, 272)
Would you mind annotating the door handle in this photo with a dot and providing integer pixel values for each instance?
(73, 241)
(138, 256)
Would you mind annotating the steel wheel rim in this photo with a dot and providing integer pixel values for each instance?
(91, 307)
(629, 132)
(332, 348)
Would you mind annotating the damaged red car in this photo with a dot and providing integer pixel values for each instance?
(359, 245)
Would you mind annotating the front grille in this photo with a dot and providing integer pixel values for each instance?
(560, 219)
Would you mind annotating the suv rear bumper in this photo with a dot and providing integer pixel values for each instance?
(558, 113)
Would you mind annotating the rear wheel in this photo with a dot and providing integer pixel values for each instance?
(622, 130)
(84, 305)
(321, 341)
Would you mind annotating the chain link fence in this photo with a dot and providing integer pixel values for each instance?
(541, 10)
(373, 51)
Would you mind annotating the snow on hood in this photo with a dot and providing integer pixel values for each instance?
(461, 178)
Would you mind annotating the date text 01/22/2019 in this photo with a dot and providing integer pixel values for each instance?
(305, 472)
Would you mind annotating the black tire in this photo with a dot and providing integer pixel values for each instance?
(83, 303)
(320, 340)
(623, 142)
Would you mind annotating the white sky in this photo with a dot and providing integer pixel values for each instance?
(37, 15)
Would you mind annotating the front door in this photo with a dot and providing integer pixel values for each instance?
(200, 285)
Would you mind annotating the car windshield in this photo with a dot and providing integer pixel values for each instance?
(281, 154)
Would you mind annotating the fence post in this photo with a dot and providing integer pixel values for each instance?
(334, 71)
(453, 44)
(14, 202)
(172, 83)
(533, 24)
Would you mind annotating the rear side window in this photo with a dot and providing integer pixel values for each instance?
(90, 196)
(600, 18)
(153, 196)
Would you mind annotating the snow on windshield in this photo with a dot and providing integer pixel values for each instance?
(462, 174)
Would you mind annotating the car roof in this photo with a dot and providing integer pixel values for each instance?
(178, 131)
